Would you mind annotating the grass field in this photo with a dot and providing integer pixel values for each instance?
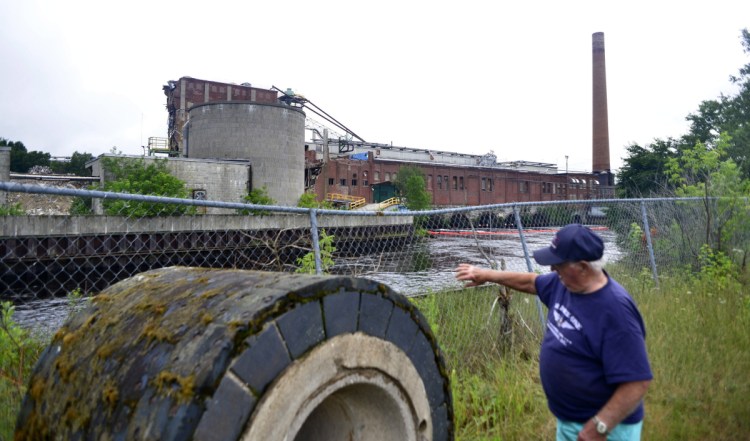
(698, 338)
(698, 342)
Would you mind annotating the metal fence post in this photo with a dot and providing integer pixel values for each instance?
(315, 240)
(526, 255)
(651, 257)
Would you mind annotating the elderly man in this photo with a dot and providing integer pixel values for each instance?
(593, 362)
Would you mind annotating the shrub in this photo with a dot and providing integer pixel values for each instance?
(307, 262)
(12, 210)
(309, 200)
(258, 196)
(137, 177)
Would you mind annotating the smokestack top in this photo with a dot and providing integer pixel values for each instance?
(597, 40)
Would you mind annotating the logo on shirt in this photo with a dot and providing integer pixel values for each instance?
(562, 319)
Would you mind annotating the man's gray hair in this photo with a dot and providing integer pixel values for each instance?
(597, 264)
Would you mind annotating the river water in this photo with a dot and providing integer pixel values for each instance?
(425, 267)
(429, 265)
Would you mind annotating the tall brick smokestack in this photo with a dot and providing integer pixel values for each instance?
(600, 153)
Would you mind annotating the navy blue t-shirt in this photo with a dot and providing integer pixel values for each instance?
(593, 342)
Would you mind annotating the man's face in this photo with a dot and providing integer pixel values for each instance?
(571, 275)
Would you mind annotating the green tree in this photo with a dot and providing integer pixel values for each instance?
(22, 160)
(729, 115)
(76, 165)
(709, 173)
(137, 176)
(141, 177)
(411, 186)
(643, 170)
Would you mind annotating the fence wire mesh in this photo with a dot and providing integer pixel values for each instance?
(46, 257)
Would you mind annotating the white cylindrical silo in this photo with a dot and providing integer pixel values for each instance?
(270, 136)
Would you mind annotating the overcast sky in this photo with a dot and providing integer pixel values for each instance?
(465, 76)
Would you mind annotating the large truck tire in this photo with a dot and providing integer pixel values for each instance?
(191, 353)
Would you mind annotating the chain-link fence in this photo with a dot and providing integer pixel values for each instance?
(48, 257)
(48, 262)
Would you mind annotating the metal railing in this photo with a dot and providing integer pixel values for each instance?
(389, 203)
(349, 202)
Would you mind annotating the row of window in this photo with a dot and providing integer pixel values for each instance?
(237, 91)
(354, 181)
(455, 183)
(550, 187)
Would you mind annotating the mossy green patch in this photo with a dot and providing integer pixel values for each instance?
(180, 387)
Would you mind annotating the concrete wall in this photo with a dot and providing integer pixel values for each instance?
(25, 226)
(269, 136)
(214, 180)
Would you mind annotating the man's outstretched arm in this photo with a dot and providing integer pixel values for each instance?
(476, 276)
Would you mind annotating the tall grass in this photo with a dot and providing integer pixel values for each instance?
(698, 337)
(698, 342)
(19, 352)
(699, 345)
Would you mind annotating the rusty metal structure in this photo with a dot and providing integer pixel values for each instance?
(187, 92)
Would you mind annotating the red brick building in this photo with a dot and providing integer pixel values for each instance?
(457, 185)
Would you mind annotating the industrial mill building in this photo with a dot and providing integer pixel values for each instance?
(259, 134)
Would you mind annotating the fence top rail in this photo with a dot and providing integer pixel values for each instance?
(40, 189)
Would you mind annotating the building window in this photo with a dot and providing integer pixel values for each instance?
(484, 184)
(394, 177)
(343, 182)
(331, 181)
(547, 187)
(440, 182)
(354, 180)
(491, 184)
(429, 182)
(455, 182)
(387, 176)
(461, 182)
(523, 187)
(445, 179)
(364, 179)
(377, 176)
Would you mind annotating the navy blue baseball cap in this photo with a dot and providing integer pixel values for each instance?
(573, 243)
